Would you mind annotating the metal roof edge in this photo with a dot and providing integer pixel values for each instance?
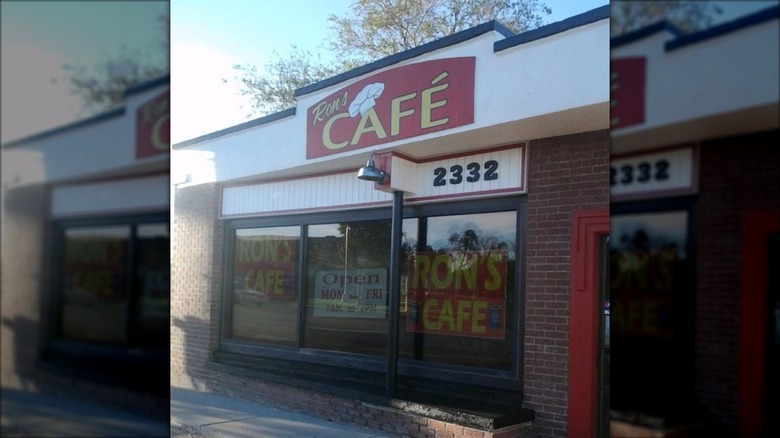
(725, 28)
(117, 112)
(440, 43)
(240, 127)
(592, 16)
(644, 32)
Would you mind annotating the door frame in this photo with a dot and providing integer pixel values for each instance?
(587, 228)
(757, 225)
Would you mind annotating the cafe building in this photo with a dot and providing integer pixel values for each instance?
(695, 231)
(85, 256)
(417, 247)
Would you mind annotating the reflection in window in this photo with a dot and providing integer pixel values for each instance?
(94, 278)
(265, 270)
(458, 290)
(648, 255)
(347, 273)
(152, 284)
(650, 291)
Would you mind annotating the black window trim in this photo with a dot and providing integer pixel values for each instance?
(54, 342)
(690, 205)
(510, 379)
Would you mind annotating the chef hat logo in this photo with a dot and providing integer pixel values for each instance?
(366, 98)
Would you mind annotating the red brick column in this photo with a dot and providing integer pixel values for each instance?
(565, 174)
(23, 283)
(737, 174)
(196, 282)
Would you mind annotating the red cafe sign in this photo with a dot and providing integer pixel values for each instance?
(400, 103)
(627, 92)
(153, 127)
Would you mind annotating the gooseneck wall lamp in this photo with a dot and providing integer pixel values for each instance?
(369, 172)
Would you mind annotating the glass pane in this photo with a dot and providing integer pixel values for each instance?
(347, 272)
(265, 284)
(94, 283)
(650, 290)
(153, 285)
(458, 302)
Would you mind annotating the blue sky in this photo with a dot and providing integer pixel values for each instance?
(250, 31)
(39, 37)
(207, 38)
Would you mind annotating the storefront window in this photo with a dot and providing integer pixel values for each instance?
(115, 283)
(347, 273)
(458, 298)
(152, 284)
(650, 291)
(94, 278)
(458, 289)
(264, 299)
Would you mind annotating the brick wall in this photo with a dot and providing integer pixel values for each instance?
(196, 280)
(22, 283)
(736, 174)
(391, 422)
(565, 174)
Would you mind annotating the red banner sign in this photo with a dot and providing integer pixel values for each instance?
(400, 103)
(265, 268)
(94, 269)
(153, 127)
(627, 92)
(460, 293)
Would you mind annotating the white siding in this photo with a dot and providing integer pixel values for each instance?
(313, 193)
(130, 196)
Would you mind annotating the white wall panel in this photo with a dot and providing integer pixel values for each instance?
(654, 174)
(509, 174)
(345, 191)
(714, 76)
(305, 194)
(130, 196)
(534, 82)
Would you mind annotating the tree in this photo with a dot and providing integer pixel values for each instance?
(376, 29)
(380, 28)
(103, 86)
(687, 15)
(274, 90)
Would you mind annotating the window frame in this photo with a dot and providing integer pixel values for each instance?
(690, 206)
(511, 379)
(56, 344)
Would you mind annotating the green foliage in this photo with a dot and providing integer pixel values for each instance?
(688, 16)
(102, 86)
(376, 29)
(379, 28)
(274, 90)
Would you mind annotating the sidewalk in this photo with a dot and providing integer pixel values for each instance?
(33, 414)
(193, 414)
(196, 414)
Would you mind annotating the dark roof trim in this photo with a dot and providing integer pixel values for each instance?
(725, 28)
(119, 112)
(638, 34)
(152, 83)
(250, 124)
(592, 16)
(143, 86)
(441, 43)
